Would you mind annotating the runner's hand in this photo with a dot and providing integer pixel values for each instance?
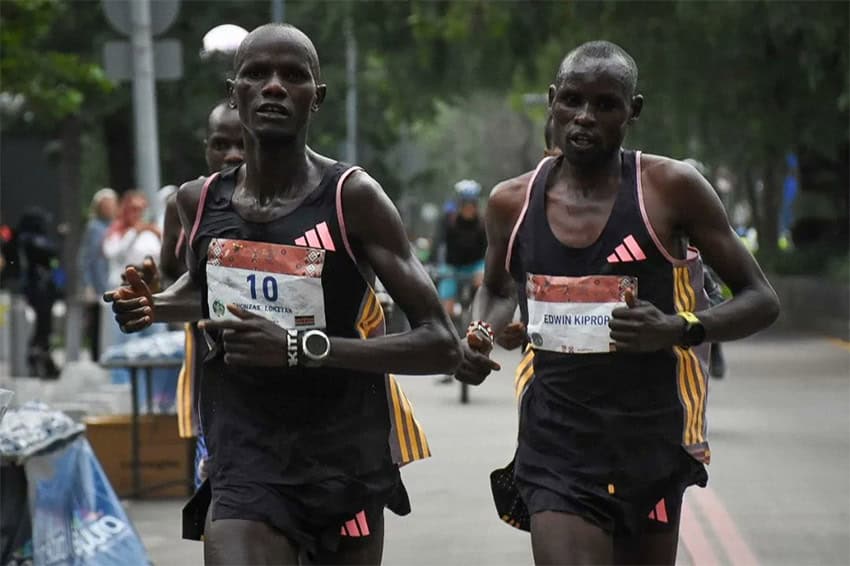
(512, 336)
(149, 274)
(476, 366)
(132, 303)
(641, 327)
(251, 340)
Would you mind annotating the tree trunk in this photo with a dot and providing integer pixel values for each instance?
(71, 208)
(771, 197)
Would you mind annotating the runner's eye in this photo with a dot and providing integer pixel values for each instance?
(571, 100)
(607, 104)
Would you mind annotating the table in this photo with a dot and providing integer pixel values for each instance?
(134, 366)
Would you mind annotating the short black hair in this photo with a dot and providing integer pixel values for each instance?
(601, 50)
(221, 106)
(312, 54)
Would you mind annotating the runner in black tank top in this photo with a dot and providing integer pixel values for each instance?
(612, 388)
(615, 419)
(306, 435)
(308, 452)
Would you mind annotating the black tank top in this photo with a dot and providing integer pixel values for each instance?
(671, 382)
(319, 443)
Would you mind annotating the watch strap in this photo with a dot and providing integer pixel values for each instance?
(292, 348)
(690, 317)
(692, 324)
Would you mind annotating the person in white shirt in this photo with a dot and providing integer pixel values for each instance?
(130, 239)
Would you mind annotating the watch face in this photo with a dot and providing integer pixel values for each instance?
(316, 344)
(695, 334)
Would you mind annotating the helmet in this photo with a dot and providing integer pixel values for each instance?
(467, 190)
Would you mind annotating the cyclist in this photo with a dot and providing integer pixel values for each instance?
(465, 243)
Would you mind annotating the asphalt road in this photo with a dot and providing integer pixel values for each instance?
(779, 487)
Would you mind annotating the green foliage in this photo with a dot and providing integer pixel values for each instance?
(53, 83)
(442, 84)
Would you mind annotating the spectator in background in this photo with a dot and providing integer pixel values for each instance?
(130, 239)
(35, 255)
(94, 267)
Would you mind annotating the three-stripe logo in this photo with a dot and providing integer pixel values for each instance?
(317, 237)
(629, 250)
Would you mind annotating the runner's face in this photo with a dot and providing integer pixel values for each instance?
(275, 89)
(224, 145)
(591, 109)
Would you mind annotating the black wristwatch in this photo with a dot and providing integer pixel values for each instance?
(693, 333)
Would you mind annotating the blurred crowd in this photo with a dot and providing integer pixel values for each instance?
(116, 235)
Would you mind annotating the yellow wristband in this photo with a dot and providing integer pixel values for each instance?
(689, 316)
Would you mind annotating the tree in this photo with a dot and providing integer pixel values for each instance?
(53, 86)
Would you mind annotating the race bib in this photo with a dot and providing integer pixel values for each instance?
(571, 314)
(279, 282)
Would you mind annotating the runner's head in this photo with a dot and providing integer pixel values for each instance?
(223, 143)
(277, 82)
(592, 101)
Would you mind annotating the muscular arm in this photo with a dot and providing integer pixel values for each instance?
(695, 212)
(136, 308)
(377, 235)
(495, 301)
(181, 302)
(171, 260)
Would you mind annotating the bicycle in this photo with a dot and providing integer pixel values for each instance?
(462, 316)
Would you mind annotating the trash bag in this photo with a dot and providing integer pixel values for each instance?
(76, 517)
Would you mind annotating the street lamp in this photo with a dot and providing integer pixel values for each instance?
(223, 39)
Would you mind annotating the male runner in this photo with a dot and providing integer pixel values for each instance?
(305, 428)
(513, 335)
(223, 147)
(613, 388)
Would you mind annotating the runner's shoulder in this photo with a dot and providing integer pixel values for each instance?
(674, 181)
(666, 174)
(188, 196)
(362, 190)
(507, 198)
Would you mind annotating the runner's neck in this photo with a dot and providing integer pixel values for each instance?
(594, 180)
(279, 170)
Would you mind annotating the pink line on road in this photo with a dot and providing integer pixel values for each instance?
(694, 539)
(724, 527)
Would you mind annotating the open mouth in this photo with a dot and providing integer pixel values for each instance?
(270, 108)
(582, 140)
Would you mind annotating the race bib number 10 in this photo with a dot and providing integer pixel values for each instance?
(571, 314)
(279, 282)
